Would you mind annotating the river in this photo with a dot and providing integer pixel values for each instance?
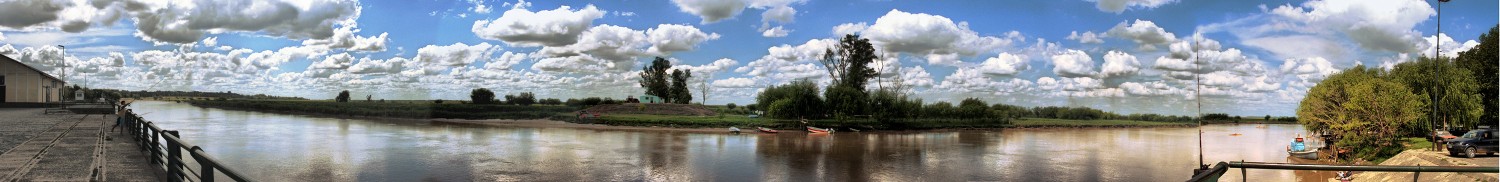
(279, 147)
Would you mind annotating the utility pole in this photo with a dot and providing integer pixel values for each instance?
(1437, 48)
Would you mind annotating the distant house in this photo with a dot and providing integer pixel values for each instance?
(650, 99)
(20, 83)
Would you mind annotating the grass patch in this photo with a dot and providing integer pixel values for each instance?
(1415, 143)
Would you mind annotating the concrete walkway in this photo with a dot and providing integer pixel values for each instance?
(67, 147)
(1426, 158)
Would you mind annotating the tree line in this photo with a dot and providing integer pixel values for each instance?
(654, 78)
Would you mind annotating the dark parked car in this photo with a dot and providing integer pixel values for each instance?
(1474, 142)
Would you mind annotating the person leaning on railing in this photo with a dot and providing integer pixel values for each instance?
(121, 114)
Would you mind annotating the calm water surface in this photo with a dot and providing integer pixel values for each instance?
(278, 147)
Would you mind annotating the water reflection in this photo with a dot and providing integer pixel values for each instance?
(275, 147)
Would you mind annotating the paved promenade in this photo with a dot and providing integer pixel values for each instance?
(67, 147)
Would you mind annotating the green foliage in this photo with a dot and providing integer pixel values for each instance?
(888, 105)
(439, 101)
(550, 101)
(1362, 109)
(1456, 97)
(343, 96)
(974, 108)
(845, 101)
(1481, 61)
(1011, 111)
(1217, 117)
(679, 92)
(799, 99)
(482, 96)
(525, 99)
(730, 105)
(939, 109)
(654, 77)
(848, 64)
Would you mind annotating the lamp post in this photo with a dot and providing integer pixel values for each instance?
(1437, 48)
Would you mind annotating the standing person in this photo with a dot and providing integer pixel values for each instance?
(121, 114)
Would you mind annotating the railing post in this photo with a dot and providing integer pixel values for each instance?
(1416, 174)
(206, 168)
(155, 145)
(174, 157)
(1243, 176)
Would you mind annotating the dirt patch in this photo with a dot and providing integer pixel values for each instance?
(653, 109)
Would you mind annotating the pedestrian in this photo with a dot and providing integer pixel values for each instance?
(121, 114)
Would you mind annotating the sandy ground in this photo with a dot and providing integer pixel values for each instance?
(545, 123)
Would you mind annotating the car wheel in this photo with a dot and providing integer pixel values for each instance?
(1469, 152)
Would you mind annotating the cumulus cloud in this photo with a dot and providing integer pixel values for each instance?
(386, 66)
(850, 28)
(971, 81)
(1143, 32)
(717, 10)
(1118, 64)
(667, 38)
(775, 32)
(936, 37)
(346, 38)
(783, 57)
(1450, 48)
(1087, 37)
(916, 76)
(432, 59)
(711, 10)
(183, 22)
(736, 82)
(1118, 6)
(1154, 88)
(521, 27)
(1308, 71)
(1377, 25)
(1003, 64)
(1073, 63)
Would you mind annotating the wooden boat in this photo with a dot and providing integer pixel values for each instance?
(818, 130)
(766, 130)
(1310, 154)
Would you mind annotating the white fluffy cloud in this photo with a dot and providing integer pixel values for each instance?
(916, 76)
(1143, 32)
(456, 54)
(936, 37)
(1450, 48)
(777, 31)
(850, 28)
(344, 38)
(667, 38)
(1003, 64)
(1308, 71)
(1087, 37)
(1373, 24)
(1118, 63)
(1073, 63)
(735, 83)
(521, 27)
(1117, 6)
(186, 22)
(971, 81)
(717, 10)
(615, 48)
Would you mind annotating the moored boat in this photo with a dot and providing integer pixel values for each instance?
(1310, 154)
(818, 130)
(766, 130)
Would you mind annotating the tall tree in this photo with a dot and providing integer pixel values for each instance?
(1455, 98)
(482, 96)
(848, 66)
(1481, 61)
(679, 91)
(343, 96)
(654, 78)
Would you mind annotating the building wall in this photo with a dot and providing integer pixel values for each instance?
(25, 85)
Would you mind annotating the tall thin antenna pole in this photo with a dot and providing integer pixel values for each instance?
(1198, 98)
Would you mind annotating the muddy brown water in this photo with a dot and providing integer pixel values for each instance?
(279, 147)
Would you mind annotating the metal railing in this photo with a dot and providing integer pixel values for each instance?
(166, 148)
(1213, 174)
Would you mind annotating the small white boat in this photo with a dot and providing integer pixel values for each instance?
(1310, 154)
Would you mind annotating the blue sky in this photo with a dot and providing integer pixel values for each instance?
(1128, 56)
